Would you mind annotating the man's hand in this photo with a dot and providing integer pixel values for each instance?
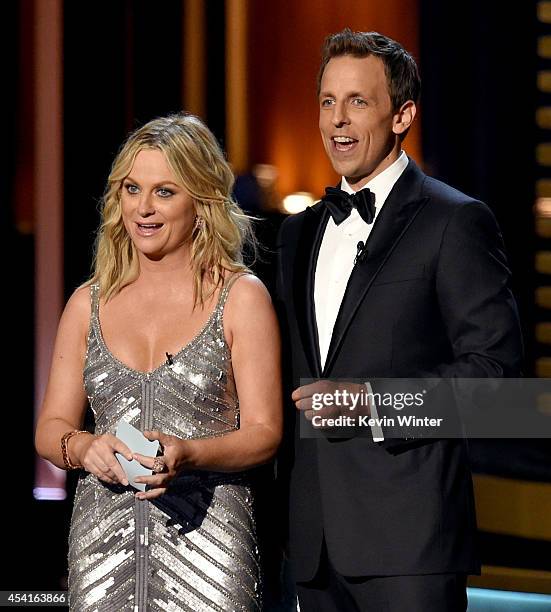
(330, 400)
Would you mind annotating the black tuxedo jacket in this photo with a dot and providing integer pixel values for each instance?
(432, 297)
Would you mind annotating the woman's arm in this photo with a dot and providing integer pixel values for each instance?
(252, 332)
(65, 402)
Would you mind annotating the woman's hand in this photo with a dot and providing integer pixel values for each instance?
(175, 455)
(96, 454)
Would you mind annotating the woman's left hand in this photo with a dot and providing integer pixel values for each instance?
(174, 458)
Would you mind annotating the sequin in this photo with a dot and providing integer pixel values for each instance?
(194, 548)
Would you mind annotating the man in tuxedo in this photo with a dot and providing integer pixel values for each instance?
(395, 275)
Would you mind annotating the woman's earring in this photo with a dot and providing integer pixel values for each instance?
(199, 223)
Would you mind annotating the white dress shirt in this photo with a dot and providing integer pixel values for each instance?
(338, 251)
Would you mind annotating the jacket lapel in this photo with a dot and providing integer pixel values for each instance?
(400, 209)
(309, 243)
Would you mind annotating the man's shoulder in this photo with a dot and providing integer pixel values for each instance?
(293, 223)
(442, 198)
(446, 203)
(445, 194)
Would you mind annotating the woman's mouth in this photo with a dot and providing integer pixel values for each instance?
(148, 229)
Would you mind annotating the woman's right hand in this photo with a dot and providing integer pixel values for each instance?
(96, 454)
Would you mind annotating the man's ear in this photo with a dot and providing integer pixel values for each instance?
(403, 119)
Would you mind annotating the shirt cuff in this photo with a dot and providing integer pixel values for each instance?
(376, 430)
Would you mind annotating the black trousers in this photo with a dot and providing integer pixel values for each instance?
(329, 591)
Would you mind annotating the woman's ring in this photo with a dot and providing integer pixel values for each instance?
(158, 465)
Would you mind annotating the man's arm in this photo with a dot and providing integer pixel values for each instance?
(476, 302)
(472, 284)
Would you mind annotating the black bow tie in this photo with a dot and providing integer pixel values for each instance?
(340, 204)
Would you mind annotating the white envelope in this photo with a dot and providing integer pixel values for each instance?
(137, 443)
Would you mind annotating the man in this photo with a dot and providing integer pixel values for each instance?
(406, 279)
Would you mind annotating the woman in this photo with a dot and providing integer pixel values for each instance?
(167, 347)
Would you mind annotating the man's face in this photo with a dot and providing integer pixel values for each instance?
(356, 118)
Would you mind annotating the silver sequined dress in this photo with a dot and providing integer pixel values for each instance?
(195, 547)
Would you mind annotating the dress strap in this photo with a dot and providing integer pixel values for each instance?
(94, 300)
(226, 290)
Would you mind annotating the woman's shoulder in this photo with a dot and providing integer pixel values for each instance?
(78, 306)
(247, 288)
(75, 320)
(247, 297)
(248, 309)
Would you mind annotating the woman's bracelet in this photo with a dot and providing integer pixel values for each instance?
(64, 452)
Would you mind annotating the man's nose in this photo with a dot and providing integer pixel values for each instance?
(340, 115)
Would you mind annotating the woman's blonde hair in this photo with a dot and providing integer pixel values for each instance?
(199, 165)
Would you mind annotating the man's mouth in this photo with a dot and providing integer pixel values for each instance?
(343, 143)
(148, 229)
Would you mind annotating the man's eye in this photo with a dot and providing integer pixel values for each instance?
(359, 102)
(327, 102)
(131, 188)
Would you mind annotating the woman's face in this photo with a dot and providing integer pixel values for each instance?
(157, 212)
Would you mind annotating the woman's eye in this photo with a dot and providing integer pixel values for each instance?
(131, 188)
(164, 193)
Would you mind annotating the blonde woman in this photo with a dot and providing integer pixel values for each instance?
(174, 336)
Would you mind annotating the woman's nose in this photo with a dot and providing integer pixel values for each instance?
(145, 206)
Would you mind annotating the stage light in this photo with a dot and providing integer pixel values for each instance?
(297, 202)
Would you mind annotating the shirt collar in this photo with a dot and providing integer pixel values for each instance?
(382, 184)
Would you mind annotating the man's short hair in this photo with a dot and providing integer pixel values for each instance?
(401, 70)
